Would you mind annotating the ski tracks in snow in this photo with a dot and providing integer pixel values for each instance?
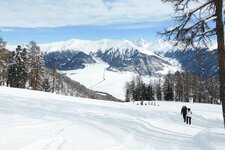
(53, 122)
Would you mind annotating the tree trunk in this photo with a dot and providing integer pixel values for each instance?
(221, 51)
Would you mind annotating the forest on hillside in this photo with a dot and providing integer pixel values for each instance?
(25, 68)
(180, 86)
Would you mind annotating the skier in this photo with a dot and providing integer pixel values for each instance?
(184, 112)
(189, 114)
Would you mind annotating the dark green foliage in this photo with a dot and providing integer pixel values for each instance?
(150, 93)
(158, 92)
(180, 86)
(127, 96)
(139, 91)
(17, 72)
(168, 91)
(46, 85)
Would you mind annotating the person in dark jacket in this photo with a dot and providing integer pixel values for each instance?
(184, 112)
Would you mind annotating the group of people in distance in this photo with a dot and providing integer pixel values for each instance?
(187, 113)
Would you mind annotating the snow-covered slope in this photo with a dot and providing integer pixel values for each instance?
(32, 120)
(98, 78)
(117, 60)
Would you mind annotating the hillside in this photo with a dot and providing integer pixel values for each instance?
(121, 55)
(35, 120)
(202, 62)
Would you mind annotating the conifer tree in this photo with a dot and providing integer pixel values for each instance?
(36, 66)
(150, 93)
(158, 92)
(46, 85)
(2, 43)
(4, 58)
(17, 72)
(178, 86)
(168, 90)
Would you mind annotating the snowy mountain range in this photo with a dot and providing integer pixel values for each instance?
(121, 55)
(202, 62)
(106, 65)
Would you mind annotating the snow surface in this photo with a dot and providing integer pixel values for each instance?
(32, 120)
(98, 78)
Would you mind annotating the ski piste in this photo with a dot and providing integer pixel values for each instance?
(34, 120)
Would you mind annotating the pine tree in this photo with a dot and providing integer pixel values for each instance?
(2, 43)
(150, 93)
(46, 85)
(127, 98)
(158, 92)
(17, 72)
(143, 95)
(130, 86)
(168, 90)
(212, 86)
(36, 66)
(4, 59)
(178, 86)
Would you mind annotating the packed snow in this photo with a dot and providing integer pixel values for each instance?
(33, 120)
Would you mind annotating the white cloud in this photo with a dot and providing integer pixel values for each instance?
(6, 30)
(48, 13)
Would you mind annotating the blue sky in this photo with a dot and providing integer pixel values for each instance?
(18, 35)
(47, 21)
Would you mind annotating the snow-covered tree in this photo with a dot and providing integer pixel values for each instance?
(2, 43)
(198, 22)
(17, 71)
(54, 74)
(36, 66)
(4, 58)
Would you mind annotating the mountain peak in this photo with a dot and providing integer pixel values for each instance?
(88, 46)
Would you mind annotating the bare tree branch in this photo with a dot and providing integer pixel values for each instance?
(193, 24)
(196, 27)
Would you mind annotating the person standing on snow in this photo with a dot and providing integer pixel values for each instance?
(184, 112)
(189, 114)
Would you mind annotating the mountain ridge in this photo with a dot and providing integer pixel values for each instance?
(121, 55)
